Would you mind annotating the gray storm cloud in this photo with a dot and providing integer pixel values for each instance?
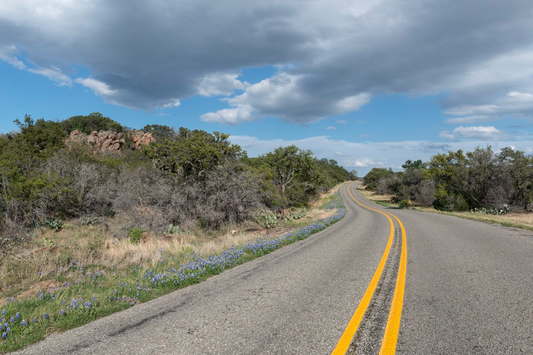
(333, 56)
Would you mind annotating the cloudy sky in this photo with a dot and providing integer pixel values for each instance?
(368, 82)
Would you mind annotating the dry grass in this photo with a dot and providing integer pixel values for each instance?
(373, 196)
(513, 219)
(99, 245)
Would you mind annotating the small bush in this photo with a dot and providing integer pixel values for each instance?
(404, 204)
(176, 230)
(135, 235)
(54, 224)
(267, 219)
(492, 210)
(90, 221)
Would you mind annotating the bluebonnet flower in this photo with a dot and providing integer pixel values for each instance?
(23, 322)
(8, 330)
(87, 305)
(12, 319)
(4, 335)
(45, 316)
(3, 312)
(34, 319)
(17, 316)
(62, 312)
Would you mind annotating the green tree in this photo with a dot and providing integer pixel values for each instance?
(160, 132)
(449, 171)
(372, 178)
(520, 168)
(92, 122)
(192, 153)
(41, 138)
(289, 164)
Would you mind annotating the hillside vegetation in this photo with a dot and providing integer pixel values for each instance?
(481, 181)
(184, 178)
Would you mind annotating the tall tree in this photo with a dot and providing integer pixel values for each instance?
(191, 154)
(289, 164)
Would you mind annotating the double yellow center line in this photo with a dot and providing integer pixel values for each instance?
(390, 338)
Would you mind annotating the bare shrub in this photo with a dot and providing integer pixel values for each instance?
(143, 194)
(77, 187)
(497, 196)
(382, 187)
(425, 194)
(229, 196)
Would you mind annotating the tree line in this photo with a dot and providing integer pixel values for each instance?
(458, 181)
(184, 177)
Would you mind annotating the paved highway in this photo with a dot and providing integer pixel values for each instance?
(468, 290)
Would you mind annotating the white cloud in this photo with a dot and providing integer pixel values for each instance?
(365, 156)
(173, 103)
(231, 116)
(100, 88)
(7, 54)
(331, 128)
(220, 84)
(472, 119)
(486, 133)
(366, 163)
(342, 121)
(351, 103)
(514, 104)
(282, 96)
(53, 74)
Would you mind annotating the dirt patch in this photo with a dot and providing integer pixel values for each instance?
(34, 290)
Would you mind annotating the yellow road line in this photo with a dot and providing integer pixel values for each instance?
(390, 338)
(388, 346)
(349, 332)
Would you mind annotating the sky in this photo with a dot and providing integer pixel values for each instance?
(369, 83)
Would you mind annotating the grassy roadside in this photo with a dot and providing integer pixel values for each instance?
(80, 292)
(513, 219)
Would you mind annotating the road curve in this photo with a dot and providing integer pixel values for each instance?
(468, 290)
(296, 300)
(469, 287)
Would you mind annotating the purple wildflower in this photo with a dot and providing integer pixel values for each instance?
(45, 316)
(23, 322)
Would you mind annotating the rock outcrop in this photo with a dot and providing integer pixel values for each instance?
(106, 141)
(141, 138)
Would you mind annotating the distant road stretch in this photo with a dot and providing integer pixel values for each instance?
(381, 281)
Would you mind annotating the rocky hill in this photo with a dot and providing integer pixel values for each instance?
(107, 141)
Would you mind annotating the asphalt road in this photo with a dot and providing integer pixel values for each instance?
(469, 290)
